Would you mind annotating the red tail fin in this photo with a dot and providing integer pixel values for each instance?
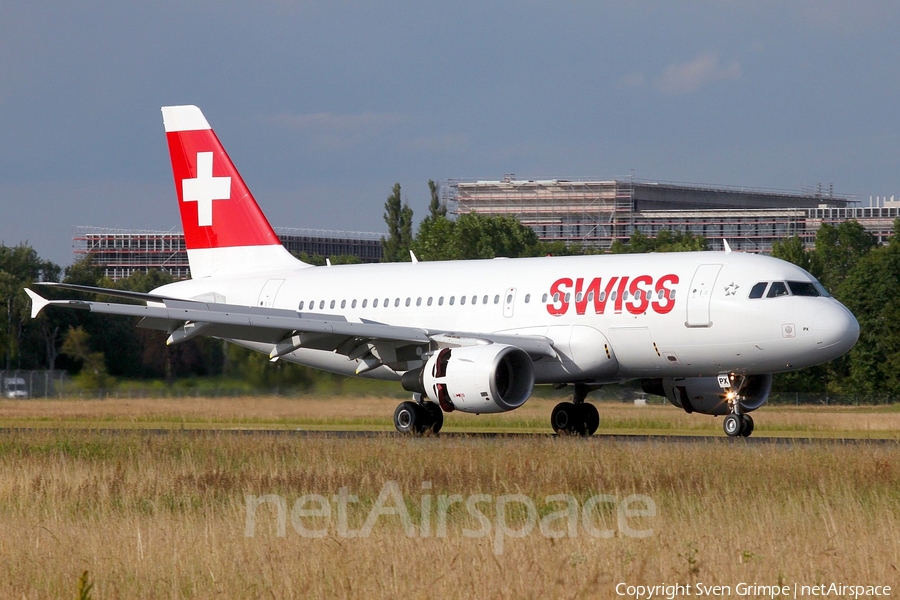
(224, 229)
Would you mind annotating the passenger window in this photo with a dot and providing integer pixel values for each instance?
(590, 296)
(441, 301)
(758, 290)
(602, 296)
(353, 304)
(375, 303)
(462, 300)
(527, 298)
(452, 300)
(568, 298)
(343, 304)
(408, 300)
(396, 302)
(387, 302)
(332, 304)
(429, 300)
(778, 288)
(365, 301)
(474, 299)
(484, 300)
(321, 305)
(544, 299)
(497, 299)
(578, 297)
(509, 299)
(301, 305)
(419, 301)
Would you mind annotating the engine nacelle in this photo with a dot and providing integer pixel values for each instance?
(705, 396)
(488, 378)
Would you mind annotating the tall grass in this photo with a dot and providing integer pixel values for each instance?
(164, 515)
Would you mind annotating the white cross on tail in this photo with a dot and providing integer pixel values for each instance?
(205, 188)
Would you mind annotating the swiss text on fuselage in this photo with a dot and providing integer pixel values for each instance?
(635, 295)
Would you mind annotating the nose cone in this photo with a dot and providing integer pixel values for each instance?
(835, 329)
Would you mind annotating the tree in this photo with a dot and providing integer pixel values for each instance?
(93, 375)
(474, 236)
(395, 248)
(839, 248)
(665, 241)
(868, 290)
(794, 251)
(20, 266)
(435, 207)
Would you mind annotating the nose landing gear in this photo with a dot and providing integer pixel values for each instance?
(736, 423)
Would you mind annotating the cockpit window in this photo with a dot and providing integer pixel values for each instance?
(778, 288)
(758, 290)
(803, 288)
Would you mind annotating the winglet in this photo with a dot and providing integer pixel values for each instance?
(727, 247)
(412, 257)
(37, 303)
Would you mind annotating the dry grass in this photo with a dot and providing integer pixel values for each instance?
(375, 413)
(163, 515)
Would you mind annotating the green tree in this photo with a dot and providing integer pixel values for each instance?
(839, 248)
(395, 248)
(665, 241)
(872, 367)
(93, 374)
(794, 251)
(20, 266)
(435, 207)
(474, 236)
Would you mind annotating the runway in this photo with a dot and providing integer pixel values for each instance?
(357, 434)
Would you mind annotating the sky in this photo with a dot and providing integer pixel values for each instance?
(324, 105)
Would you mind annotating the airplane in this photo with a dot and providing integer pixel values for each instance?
(706, 330)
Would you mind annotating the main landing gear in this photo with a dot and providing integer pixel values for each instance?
(418, 417)
(576, 417)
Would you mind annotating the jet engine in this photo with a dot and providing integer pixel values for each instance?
(705, 396)
(487, 378)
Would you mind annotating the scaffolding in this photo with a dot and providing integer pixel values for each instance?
(597, 213)
(123, 252)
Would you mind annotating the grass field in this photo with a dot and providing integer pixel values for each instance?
(375, 413)
(152, 515)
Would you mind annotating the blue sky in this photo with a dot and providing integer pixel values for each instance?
(323, 105)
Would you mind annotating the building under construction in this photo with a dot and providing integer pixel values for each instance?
(597, 213)
(122, 252)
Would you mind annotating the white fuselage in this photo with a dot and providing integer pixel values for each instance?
(610, 317)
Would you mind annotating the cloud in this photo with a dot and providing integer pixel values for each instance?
(688, 77)
(340, 131)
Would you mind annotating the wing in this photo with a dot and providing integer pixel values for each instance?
(376, 344)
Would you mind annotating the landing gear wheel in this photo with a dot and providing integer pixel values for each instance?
(579, 419)
(733, 425)
(591, 418)
(746, 425)
(435, 416)
(408, 417)
(563, 417)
